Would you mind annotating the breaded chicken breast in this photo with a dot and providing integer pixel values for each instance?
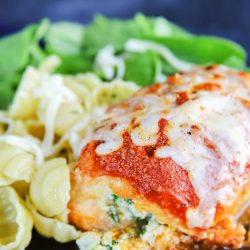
(178, 152)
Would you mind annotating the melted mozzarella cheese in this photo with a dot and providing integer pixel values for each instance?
(209, 135)
(108, 63)
(113, 137)
(52, 93)
(224, 122)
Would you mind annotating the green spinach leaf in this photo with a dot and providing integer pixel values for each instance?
(204, 50)
(142, 68)
(64, 39)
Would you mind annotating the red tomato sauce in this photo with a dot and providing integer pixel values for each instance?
(160, 180)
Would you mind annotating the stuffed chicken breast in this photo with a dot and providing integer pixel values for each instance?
(178, 152)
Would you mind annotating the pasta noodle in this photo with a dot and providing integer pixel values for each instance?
(24, 104)
(52, 227)
(16, 221)
(50, 105)
(27, 143)
(50, 187)
(21, 187)
(41, 136)
(15, 165)
(67, 116)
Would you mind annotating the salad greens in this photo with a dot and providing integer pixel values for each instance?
(205, 50)
(78, 46)
(12, 61)
(149, 61)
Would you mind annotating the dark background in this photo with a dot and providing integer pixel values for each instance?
(225, 18)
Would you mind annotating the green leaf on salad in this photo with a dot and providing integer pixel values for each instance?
(37, 54)
(104, 31)
(164, 28)
(145, 24)
(159, 27)
(6, 93)
(65, 38)
(167, 69)
(8, 85)
(142, 68)
(14, 50)
(116, 32)
(204, 50)
(75, 64)
(77, 46)
(17, 51)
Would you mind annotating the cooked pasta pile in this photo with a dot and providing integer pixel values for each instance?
(40, 138)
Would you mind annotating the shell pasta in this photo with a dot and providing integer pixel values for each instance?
(16, 221)
(40, 137)
(50, 186)
(52, 227)
(16, 165)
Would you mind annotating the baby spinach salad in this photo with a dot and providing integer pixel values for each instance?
(142, 49)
